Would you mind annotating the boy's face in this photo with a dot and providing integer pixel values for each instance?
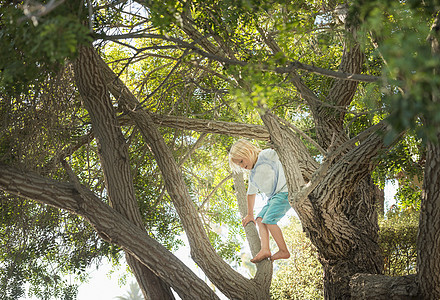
(244, 163)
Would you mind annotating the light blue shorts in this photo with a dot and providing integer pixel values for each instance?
(275, 209)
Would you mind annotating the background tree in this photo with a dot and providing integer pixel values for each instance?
(134, 293)
(300, 277)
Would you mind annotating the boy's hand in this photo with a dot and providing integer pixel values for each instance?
(247, 219)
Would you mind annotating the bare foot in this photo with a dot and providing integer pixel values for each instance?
(262, 255)
(282, 254)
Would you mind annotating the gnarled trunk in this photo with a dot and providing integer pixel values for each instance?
(114, 159)
(428, 240)
(359, 250)
(338, 211)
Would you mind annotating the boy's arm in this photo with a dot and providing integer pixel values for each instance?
(250, 210)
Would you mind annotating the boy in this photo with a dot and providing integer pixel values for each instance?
(267, 176)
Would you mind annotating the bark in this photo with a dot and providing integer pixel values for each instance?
(339, 218)
(380, 201)
(428, 239)
(264, 273)
(381, 287)
(113, 153)
(109, 224)
(249, 131)
(230, 282)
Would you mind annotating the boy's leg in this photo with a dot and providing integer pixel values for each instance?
(264, 237)
(277, 208)
(283, 252)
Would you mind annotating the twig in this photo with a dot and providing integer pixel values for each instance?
(301, 133)
(214, 190)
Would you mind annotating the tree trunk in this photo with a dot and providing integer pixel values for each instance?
(229, 281)
(113, 153)
(362, 254)
(428, 240)
(351, 206)
(339, 212)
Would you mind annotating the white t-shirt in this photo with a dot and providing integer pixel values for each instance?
(267, 176)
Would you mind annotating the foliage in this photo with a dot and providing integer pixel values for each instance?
(35, 46)
(170, 79)
(40, 246)
(404, 162)
(397, 239)
(299, 277)
(401, 29)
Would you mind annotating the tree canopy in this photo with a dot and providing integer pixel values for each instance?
(121, 114)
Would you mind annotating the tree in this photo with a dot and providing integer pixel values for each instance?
(133, 294)
(232, 62)
(300, 277)
(427, 240)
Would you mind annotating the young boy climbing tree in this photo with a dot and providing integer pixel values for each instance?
(267, 176)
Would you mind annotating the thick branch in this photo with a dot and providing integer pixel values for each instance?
(257, 132)
(110, 225)
(263, 276)
(219, 272)
(353, 166)
(113, 152)
(377, 287)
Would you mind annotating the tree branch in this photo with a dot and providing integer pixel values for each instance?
(372, 287)
(114, 158)
(294, 65)
(257, 132)
(289, 68)
(352, 166)
(263, 276)
(207, 198)
(202, 251)
(304, 90)
(109, 224)
(85, 139)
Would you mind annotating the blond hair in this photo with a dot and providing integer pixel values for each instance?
(242, 149)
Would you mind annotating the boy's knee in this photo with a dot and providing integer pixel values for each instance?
(259, 221)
